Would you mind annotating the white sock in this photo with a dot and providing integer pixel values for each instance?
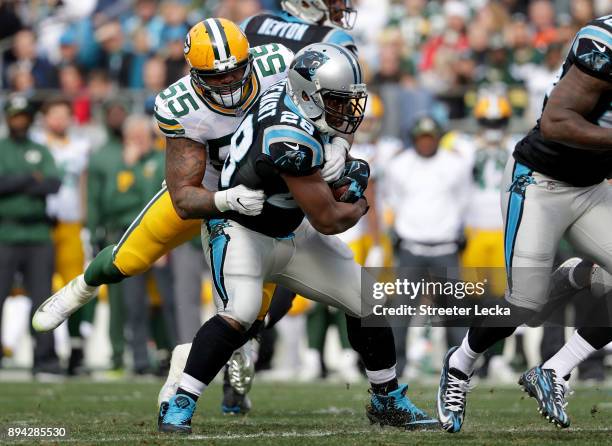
(464, 358)
(381, 376)
(191, 385)
(571, 354)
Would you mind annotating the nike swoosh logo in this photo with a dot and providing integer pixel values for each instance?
(294, 147)
(238, 201)
(45, 304)
(600, 48)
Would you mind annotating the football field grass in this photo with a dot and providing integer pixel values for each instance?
(290, 414)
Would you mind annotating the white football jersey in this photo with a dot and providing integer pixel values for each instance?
(71, 159)
(181, 110)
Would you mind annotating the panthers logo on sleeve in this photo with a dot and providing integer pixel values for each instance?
(592, 48)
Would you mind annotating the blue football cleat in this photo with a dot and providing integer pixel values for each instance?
(550, 391)
(396, 409)
(163, 408)
(178, 415)
(452, 394)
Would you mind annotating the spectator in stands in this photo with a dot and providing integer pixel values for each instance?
(446, 67)
(103, 199)
(21, 81)
(238, 10)
(139, 179)
(174, 13)
(114, 58)
(27, 176)
(540, 77)
(99, 87)
(582, 12)
(519, 36)
(69, 48)
(24, 52)
(174, 38)
(542, 16)
(66, 208)
(72, 87)
(137, 58)
(441, 51)
(497, 69)
(10, 21)
(100, 90)
(154, 81)
(403, 97)
(145, 19)
(413, 19)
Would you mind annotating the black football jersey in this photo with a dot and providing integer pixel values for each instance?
(294, 33)
(273, 138)
(591, 52)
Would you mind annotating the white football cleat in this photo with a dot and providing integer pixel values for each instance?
(55, 310)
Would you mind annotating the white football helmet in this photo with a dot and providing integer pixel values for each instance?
(325, 83)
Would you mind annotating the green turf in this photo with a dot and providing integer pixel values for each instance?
(304, 414)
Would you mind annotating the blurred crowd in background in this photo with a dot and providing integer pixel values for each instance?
(449, 76)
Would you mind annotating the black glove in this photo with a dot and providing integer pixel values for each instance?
(356, 174)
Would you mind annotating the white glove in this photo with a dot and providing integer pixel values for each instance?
(375, 258)
(335, 157)
(240, 199)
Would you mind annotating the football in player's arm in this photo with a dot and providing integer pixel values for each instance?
(315, 198)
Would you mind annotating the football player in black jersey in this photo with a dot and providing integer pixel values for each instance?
(279, 148)
(555, 185)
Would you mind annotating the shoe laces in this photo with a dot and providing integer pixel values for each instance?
(456, 390)
(406, 404)
(561, 390)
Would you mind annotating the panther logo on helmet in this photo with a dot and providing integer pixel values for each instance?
(308, 63)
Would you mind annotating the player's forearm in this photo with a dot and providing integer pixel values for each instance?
(574, 98)
(570, 128)
(340, 217)
(185, 169)
(192, 202)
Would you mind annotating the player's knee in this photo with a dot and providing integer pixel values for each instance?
(522, 309)
(236, 322)
(130, 263)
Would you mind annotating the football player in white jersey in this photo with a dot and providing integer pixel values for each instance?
(198, 115)
(71, 153)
